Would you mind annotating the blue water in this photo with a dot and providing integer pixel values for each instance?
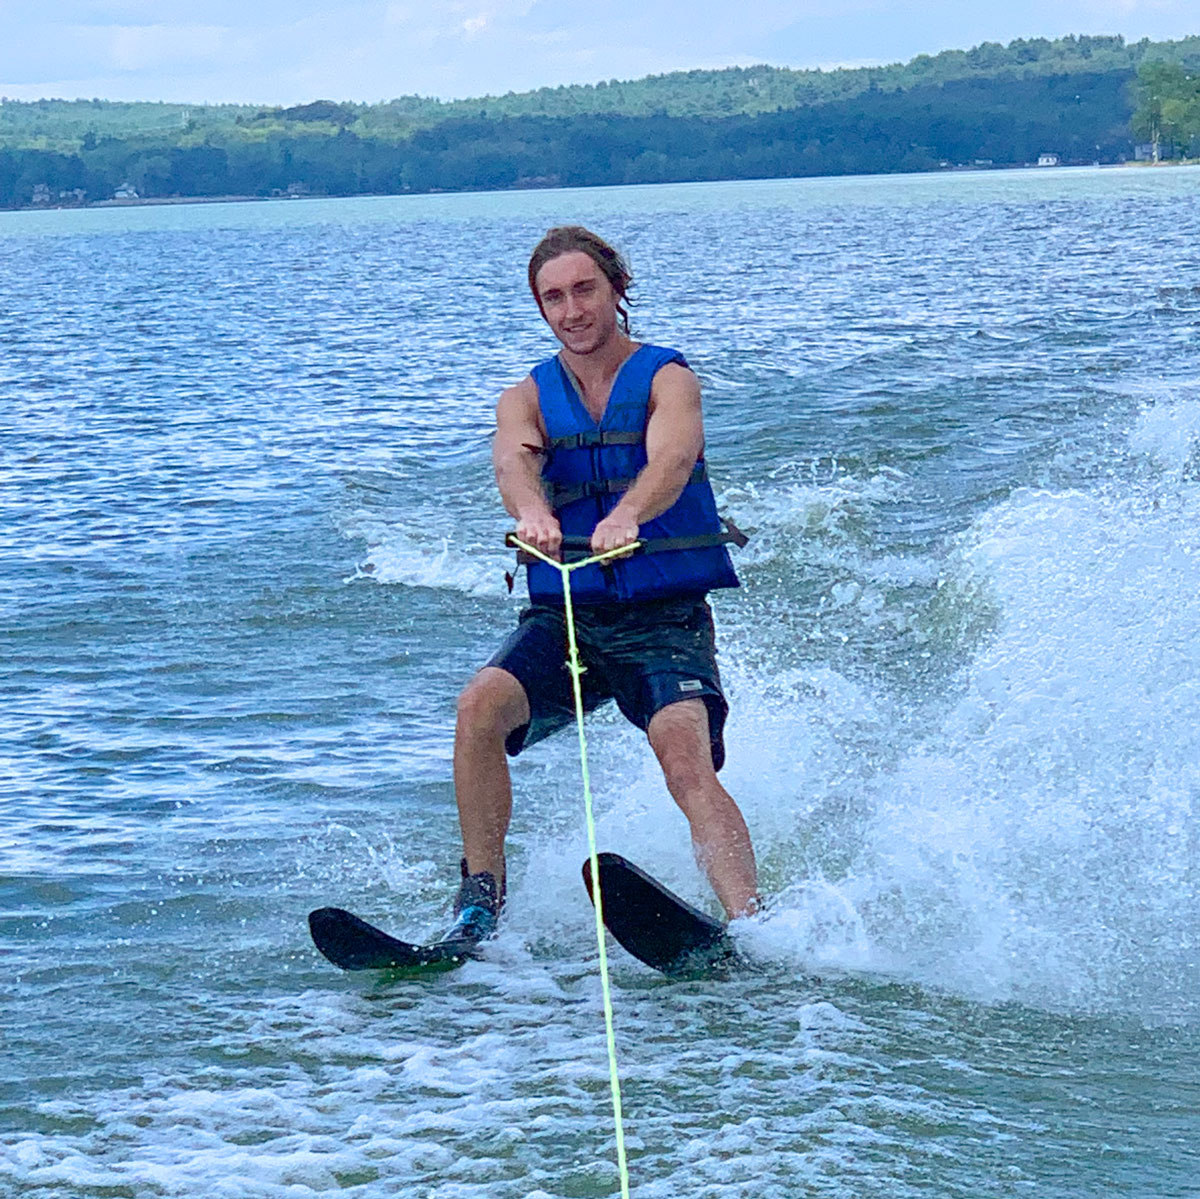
(250, 550)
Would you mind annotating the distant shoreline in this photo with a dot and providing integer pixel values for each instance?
(142, 201)
(161, 201)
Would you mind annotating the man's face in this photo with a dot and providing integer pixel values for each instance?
(578, 302)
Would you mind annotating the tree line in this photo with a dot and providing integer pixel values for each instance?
(992, 105)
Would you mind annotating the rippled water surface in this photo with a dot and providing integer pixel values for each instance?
(250, 549)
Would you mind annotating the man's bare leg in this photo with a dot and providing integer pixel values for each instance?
(490, 707)
(679, 736)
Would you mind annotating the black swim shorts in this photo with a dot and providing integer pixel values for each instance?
(644, 655)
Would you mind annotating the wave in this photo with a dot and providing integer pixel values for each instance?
(395, 556)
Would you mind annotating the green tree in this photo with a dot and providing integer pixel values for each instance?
(1168, 106)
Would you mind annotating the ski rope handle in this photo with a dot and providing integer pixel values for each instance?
(577, 670)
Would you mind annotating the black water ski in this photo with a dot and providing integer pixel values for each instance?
(350, 942)
(658, 927)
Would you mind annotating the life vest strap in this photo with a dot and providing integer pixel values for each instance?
(594, 437)
(560, 497)
(731, 535)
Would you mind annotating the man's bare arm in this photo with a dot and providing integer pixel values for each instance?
(674, 441)
(517, 455)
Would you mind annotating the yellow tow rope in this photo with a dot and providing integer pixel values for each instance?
(573, 665)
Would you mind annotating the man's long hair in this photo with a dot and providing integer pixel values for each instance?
(566, 239)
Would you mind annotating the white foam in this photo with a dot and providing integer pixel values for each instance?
(395, 555)
(1168, 432)
(811, 923)
(809, 509)
(1038, 844)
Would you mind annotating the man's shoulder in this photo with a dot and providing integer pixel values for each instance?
(675, 368)
(521, 392)
(519, 404)
(675, 383)
(668, 368)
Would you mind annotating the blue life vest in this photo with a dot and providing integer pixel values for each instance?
(588, 468)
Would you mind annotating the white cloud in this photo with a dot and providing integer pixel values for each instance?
(290, 51)
(455, 16)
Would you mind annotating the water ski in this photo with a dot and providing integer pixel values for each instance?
(658, 927)
(350, 942)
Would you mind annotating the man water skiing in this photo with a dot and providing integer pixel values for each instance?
(604, 440)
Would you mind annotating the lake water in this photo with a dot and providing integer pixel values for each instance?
(250, 550)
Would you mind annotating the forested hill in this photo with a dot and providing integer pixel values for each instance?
(1073, 98)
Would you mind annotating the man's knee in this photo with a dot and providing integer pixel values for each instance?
(679, 736)
(492, 703)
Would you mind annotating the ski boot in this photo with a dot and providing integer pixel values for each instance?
(476, 907)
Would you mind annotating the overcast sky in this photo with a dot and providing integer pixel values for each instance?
(292, 51)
